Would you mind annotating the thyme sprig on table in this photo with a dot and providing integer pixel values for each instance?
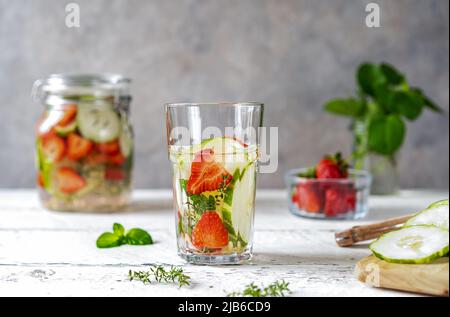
(276, 289)
(157, 273)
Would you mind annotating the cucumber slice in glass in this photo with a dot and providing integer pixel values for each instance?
(412, 245)
(221, 145)
(99, 123)
(436, 215)
(243, 202)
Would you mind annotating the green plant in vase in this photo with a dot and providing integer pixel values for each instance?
(379, 111)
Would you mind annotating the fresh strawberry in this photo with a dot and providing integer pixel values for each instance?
(68, 115)
(350, 199)
(335, 201)
(97, 158)
(53, 147)
(210, 232)
(40, 180)
(78, 147)
(116, 159)
(206, 174)
(69, 181)
(294, 197)
(332, 167)
(114, 174)
(308, 197)
(108, 148)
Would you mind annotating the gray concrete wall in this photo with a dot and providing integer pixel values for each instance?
(292, 55)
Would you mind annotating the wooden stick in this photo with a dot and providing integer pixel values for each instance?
(356, 234)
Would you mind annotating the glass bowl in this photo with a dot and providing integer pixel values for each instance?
(328, 198)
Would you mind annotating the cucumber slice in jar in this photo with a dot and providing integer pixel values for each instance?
(412, 245)
(64, 131)
(126, 142)
(437, 215)
(99, 123)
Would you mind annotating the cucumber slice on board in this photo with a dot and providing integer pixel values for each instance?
(443, 202)
(99, 123)
(436, 215)
(412, 245)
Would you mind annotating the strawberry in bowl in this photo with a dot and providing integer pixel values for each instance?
(330, 189)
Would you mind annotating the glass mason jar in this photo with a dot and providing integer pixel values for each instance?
(214, 153)
(84, 142)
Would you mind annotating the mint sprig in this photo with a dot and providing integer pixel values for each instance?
(384, 101)
(118, 237)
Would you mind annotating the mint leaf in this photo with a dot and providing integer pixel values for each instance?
(392, 75)
(138, 236)
(118, 237)
(118, 229)
(345, 107)
(368, 77)
(427, 101)
(408, 103)
(109, 240)
(386, 134)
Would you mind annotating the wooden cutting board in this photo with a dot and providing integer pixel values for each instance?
(429, 279)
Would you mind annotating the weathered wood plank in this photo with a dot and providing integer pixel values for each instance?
(57, 280)
(54, 253)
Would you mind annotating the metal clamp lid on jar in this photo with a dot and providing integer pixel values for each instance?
(97, 85)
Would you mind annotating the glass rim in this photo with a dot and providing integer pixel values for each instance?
(225, 104)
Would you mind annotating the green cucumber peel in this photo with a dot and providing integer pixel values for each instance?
(45, 166)
(66, 130)
(443, 202)
(422, 260)
(436, 214)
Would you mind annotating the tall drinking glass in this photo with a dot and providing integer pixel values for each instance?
(213, 148)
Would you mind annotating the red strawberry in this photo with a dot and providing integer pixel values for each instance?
(335, 201)
(294, 197)
(78, 147)
(53, 147)
(210, 232)
(69, 181)
(332, 167)
(117, 159)
(68, 115)
(108, 148)
(97, 158)
(350, 199)
(114, 174)
(206, 174)
(40, 180)
(309, 198)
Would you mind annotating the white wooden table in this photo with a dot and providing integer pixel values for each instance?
(45, 253)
